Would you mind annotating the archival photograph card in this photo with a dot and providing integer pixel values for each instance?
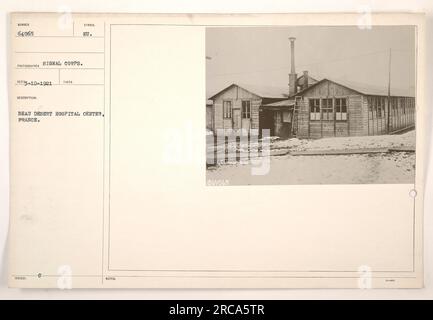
(216, 151)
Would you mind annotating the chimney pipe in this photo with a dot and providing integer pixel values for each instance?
(292, 75)
(305, 82)
(292, 52)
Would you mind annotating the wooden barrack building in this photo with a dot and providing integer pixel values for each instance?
(312, 108)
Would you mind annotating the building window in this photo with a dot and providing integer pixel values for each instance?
(287, 116)
(394, 103)
(341, 109)
(370, 108)
(314, 109)
(246, 109)
(383, 104)
(327, 109)
(227, 109)
(378, 105)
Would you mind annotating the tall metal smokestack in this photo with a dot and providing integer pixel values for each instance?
(292, 75)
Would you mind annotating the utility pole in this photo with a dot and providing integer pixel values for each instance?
(389, 90)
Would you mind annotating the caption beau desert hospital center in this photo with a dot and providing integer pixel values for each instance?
(311, 108)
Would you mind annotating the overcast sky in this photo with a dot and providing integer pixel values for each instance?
(261, 55)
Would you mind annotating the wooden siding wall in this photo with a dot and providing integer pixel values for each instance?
(402, 114)
(235, 95)
(356, 117)
(363, 117)
(303, 119)
(356, 123)
(209, 117)
(255, 106)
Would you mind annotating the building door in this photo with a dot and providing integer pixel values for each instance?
(246, 114)
(266, 121)
(246, 124)
(236, 119)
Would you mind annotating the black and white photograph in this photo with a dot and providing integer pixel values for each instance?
(310, 105)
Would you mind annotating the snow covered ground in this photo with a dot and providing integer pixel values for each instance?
(391, 167)
(385, 141)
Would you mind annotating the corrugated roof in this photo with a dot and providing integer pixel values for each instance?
(366, 89)
(267, 91)
(283, 103)
(261, 91)
(311, 80)
(369, 89)
(281, 92)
